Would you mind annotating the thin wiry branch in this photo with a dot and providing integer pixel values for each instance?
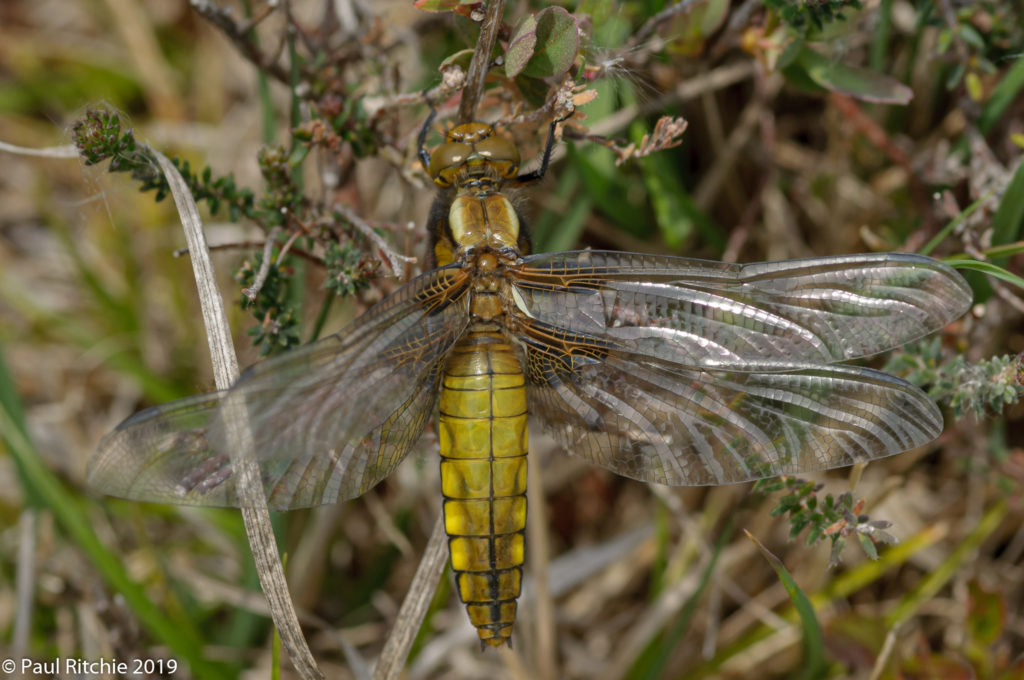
(393, 259)
(453, 79)
(414, 607)
(249, 245)
(240, 36)
(651, 25)
(261, 276)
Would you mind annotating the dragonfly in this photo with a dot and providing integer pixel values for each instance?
(664, 369)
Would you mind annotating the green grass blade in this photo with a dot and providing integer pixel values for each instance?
(988, 268)
(1007, 250)
(1004, 94)
(651, 663)
(843, 586)
(953, 224)
(1008, 222)
(814, 665)
(926, 590)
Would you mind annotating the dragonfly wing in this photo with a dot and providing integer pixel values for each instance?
(325, 422)
(673, 425)
(716, 315)
(687, 372)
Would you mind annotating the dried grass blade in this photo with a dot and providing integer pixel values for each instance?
(255, 513)
(414, 607)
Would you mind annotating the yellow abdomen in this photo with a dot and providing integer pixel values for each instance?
(483, 478)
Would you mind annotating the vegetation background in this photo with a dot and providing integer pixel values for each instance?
(898, 128)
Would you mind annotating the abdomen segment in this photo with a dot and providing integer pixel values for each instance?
(483, 478)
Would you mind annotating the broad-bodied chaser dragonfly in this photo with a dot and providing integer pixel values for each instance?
(665, 369)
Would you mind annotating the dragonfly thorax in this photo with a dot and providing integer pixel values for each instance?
(483, 221)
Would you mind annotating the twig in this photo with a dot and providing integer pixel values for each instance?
(882, 660)
(393, 259)
(253, 503)
(238, 245)
(713, 179)
(651, 25)
(288, 244)
(666, 135)
(540, 564)
(740, 234)
(66, 151)
(258, 18)
(717, 79)
(453, 79)
(739, 19)
(880, 139)
(559, 106)
(414, 607)
(261, 275)
(481, 62)
(222, 19)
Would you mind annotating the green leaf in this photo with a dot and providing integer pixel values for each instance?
(604, 184)
(560, 229)
(856, 82)
(652, 661)
(534, 90)
(986, 613)
(558, 43)
(693, 27)
(910, 602)
(675, 211)
(665, 189)
(1008, 222)
(789, 55)
(839, 28)
(521, 46)
(1004, 94)
(868, 546)
(460, 58)
(814, 642)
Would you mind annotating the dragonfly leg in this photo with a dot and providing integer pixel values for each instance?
(538, 174)
(424, 156)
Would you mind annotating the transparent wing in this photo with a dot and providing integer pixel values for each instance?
(686, 372)
(327, 421)
(664, 423)
(716, 315)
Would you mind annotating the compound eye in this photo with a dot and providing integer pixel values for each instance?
(501, 153)
(470, 133)
(446, 159)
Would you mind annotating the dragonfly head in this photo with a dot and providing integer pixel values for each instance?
(473, 149)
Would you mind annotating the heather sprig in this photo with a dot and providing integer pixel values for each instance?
(836, 518)
(101, 135)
